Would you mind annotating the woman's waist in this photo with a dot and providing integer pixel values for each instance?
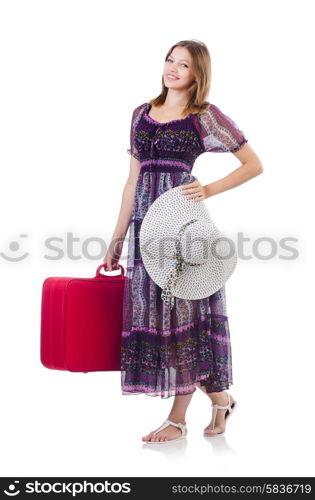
(164, 165)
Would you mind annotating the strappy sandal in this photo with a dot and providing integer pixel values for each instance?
(166, 423)
(230, 409)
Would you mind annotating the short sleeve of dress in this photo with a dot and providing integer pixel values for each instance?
(132, 149)
(220, 134)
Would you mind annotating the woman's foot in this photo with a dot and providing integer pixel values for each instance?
(220, 420)
(170, 432)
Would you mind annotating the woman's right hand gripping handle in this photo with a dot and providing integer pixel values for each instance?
(113, 254)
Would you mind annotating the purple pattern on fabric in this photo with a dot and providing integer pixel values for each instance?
(165, 352)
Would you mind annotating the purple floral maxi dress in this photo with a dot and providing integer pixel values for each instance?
(164, 351)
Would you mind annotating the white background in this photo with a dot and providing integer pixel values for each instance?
(71, 74)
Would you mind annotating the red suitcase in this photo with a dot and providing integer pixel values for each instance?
(81, 322)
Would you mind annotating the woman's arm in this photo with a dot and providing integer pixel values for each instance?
(251, 167)
(114, 250)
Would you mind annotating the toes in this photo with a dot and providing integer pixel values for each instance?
(216, 430)
(158, 437)
(147, 437)
(209, 430)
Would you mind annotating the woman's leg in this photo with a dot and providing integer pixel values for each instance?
(177, 414)
(220, 398)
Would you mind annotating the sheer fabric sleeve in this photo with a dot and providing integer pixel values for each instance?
(220, 134)
(132, 149)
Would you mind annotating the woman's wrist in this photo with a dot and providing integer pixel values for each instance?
(117, 237)
(208, 189)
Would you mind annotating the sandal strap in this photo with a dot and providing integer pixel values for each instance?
(216, 407)
(166, 423)
(181, 426)
(220, 407)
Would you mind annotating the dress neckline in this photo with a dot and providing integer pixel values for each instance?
(146, 113)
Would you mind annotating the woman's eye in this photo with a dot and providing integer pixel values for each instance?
(170, 60)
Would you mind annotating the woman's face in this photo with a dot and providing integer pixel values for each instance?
(177, 72)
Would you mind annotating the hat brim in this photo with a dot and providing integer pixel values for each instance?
(158, 230)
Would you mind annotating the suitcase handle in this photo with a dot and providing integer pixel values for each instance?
(99, 275)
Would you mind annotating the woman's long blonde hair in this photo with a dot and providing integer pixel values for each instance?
(199, 89)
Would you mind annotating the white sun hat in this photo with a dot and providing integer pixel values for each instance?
(182, 250)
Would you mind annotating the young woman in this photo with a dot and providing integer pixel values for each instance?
(171, 352)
